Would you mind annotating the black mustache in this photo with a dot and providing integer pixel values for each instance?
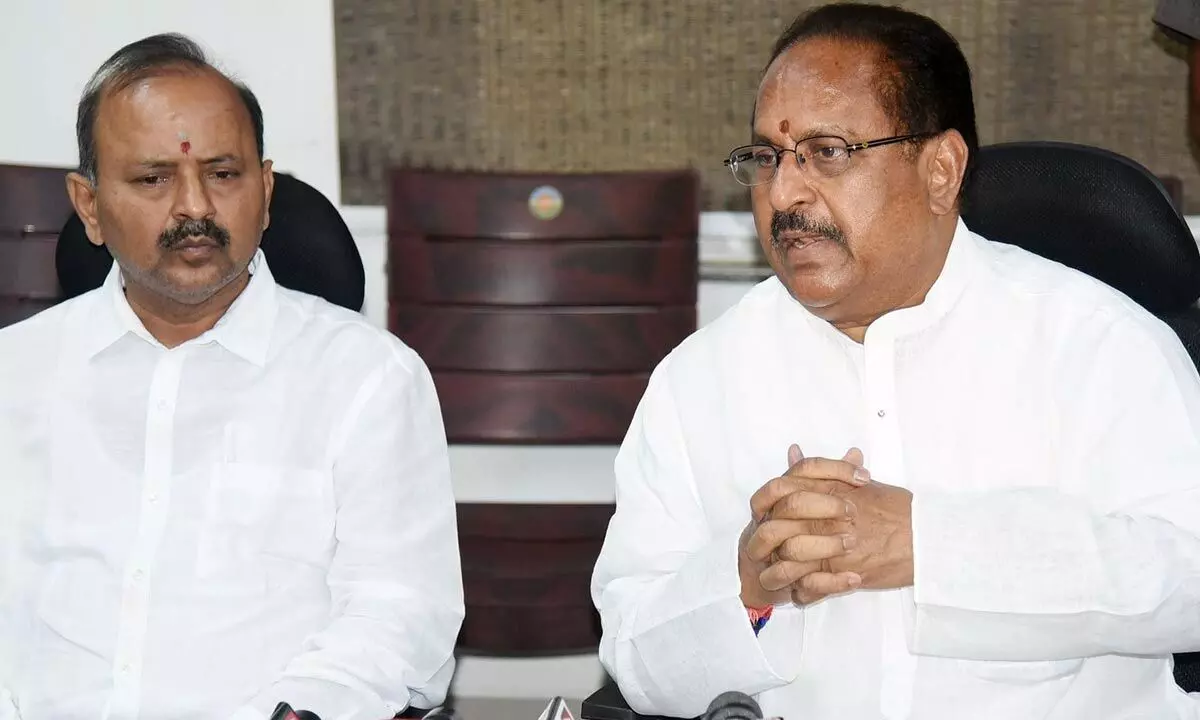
(193, 227)
(782, 222)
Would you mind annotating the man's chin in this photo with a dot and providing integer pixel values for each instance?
(814, 290)
(193, 286)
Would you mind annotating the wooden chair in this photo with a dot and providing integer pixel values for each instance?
(541, 304)
(33, 207)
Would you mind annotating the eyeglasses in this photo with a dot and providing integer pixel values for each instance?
(826, 155)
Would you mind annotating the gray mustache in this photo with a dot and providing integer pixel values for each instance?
(782, 222)
(193, 228)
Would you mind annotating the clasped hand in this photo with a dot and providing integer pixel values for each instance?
(824, 528)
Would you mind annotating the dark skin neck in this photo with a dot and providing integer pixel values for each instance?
(173, 323)
(929, 271)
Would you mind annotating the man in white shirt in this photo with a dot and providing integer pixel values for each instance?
(916, 474)
(218, 494)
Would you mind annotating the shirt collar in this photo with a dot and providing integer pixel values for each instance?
(949, 286)
(244, 329)
(942, 296)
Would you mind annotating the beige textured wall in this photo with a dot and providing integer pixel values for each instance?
(580, 85)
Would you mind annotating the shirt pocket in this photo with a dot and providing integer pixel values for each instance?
(258, 510)
(1022, 673)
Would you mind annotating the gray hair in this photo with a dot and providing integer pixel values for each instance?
(137, 61)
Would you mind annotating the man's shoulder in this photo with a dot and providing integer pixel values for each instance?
(1022, 272)
(1061, 298)
(736, 332)
(339, 337)
(31, 339)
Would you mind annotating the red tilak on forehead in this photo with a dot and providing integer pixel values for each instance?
(185, 147)
(784, 126)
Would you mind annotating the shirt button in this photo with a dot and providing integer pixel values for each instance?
(138, 575)
(152, 499)
(881, 413)
(125, 669)
(163, 405)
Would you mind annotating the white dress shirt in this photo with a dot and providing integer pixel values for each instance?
(1047, 428)
(261, 514)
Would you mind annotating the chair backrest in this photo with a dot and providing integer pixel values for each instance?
(1090, 209)
(1105, 215)
(527, 573)
(542, 302)
(33, 206)
(307, 244)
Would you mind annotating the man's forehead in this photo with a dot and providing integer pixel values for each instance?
(169, 106)
(818, 82)
(177, 93)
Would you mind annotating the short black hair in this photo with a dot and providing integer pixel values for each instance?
(929, 88)
(137, 61)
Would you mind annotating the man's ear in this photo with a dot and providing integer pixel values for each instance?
(268, 190)
(947, 162)
(83, 196)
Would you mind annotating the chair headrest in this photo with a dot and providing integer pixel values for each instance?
(307, 244)
(1092, 210)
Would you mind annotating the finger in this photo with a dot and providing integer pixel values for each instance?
(854, 456)
(768, 536)
(806, 548)
(818, 468)
(775, 490)
(785, 573)
(794, 455)
(808, 505)
(817, 585)
(772, 534)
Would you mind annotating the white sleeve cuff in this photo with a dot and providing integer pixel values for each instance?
(707, 641)
(330, 701)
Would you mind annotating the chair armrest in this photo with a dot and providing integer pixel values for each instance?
(607, 703)
(1187, 671)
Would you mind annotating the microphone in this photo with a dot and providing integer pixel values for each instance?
(557, 710)
(733, 705)
(283, 711)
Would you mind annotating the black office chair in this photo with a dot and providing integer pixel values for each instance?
(307, 244)
(1090, 209)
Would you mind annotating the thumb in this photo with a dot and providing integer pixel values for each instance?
(854, 456)
(794, 455)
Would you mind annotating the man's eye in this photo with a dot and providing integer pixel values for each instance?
(225, 174)
(152, 180)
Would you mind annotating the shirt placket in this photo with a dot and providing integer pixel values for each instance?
(155, 501)
(886, 463)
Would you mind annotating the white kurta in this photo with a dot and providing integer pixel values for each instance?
(1047, 428)
(261, 514)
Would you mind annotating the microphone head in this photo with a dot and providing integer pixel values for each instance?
(283, 711)
(733, 705)
(557, 709)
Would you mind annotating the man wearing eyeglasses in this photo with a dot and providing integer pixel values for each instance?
(916, 474)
